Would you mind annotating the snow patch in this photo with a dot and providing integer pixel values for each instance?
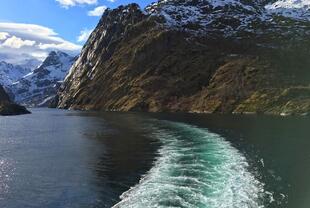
(295, 9)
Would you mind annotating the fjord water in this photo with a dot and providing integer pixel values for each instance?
(55, 158)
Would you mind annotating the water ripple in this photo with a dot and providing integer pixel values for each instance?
(195, 168)
(6, 174)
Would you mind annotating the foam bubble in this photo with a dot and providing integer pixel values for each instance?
(195, 168)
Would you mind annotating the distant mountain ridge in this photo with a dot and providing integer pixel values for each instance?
(39, 86)
(10, 73)
(204, 56)
(233, 18)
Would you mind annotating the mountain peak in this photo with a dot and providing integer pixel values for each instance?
(55, 58)
(224, 17)
(43, 82)
(189, 55)
(110, 29)
(57, 54)
(122, 13)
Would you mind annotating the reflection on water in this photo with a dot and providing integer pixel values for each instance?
(6, 174)
(128, 154)
(56, 159)
(61, 159)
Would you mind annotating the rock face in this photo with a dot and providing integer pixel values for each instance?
(39, 87)
(7, 107)
(212, 56)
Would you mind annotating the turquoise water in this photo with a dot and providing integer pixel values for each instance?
(195, 168)
(56, 159)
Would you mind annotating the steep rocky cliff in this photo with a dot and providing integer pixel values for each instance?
(232, 56)
(9, 108)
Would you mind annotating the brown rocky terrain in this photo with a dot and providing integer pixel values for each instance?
(133, 61)
(7, 107)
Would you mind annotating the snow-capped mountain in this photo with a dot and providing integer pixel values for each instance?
(10, 73)
(221, 16)
(232, 18)
(30, 64)
(41, 84)
(227, 56)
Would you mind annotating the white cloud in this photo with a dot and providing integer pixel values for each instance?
(24, 41)
(3, 35)
(26, 29)
(84, 35)
(15, 42)
(39, 55)
(70, 3)
(112, 1)
(98, 11)
(59, 46)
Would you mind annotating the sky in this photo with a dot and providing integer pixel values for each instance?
(32, 28)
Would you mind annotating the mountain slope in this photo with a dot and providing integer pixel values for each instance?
(9, 108)
(10, 73)
(231, 56)
(39, 86)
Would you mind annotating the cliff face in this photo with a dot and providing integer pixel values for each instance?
(193, 56)
(7, 107)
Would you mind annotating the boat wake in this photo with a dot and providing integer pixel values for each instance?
(195, 169)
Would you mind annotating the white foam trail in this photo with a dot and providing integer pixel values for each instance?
(195, 169)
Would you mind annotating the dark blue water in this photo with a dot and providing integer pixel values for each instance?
(60, 159)
(55, 158)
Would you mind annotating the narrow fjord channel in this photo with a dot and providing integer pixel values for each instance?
(55, 159)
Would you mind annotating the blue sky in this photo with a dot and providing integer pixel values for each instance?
(67, 22)
(32, 28)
